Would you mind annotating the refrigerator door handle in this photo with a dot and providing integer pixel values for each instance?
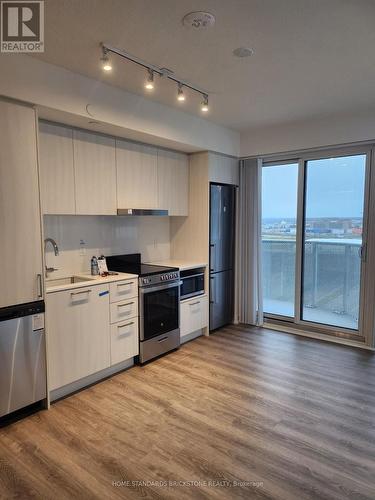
(212, 268)
(212, 295)
(40, 286)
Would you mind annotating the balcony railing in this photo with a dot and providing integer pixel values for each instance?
(331, 279)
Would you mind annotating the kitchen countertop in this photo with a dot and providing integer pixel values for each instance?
(183, 265)
(91, 281)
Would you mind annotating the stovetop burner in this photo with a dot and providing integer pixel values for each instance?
(132, 264)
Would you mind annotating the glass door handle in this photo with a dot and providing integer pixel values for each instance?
(363, 252)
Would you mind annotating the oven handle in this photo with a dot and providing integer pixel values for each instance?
(145, 290)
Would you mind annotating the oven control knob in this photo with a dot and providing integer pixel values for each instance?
(145, 281)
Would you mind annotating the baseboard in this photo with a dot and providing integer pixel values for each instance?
(191, 336)
(316, 336)
(61, 392)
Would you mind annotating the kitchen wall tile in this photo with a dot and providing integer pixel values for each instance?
(103, 235)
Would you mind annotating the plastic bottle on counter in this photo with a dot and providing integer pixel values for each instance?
(94, 266)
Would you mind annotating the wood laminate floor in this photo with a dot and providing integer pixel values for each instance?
(288, 417)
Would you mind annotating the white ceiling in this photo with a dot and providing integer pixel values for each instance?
(312, 57)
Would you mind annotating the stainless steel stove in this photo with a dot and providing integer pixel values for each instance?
(159, 304)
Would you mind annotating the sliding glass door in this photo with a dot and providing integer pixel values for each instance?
(279, 226)
(332, 240)
(313, 240)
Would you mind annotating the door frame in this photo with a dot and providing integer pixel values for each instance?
(275, 163)
(364, 333)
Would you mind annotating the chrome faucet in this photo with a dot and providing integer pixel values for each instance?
(55, 249)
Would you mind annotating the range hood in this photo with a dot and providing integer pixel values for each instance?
(141, 211)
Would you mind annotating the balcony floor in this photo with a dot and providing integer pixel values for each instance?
(314, 315)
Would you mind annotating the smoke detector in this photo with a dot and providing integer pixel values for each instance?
(243, 52)
(198, 20)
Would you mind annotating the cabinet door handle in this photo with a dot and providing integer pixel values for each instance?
(125, 284)
(126, 324)
(127, 304)
(195, 303)
(80, 293)
(40, 286)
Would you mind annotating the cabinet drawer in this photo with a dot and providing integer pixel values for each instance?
(194, 315)
(121, 290)
(124, 310)
(124, 340)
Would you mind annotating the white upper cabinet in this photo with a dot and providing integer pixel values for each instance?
(95, 173)
(85, 173)
(56, 169)
(137, 175)
(20, 220)
(223, 169)
(173, 182)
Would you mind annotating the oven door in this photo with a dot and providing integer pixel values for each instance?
(159, 309)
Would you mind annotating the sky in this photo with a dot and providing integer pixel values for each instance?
(335, 188)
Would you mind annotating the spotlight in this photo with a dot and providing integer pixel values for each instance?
(149, 84)
(106, 62)
(180, 93)
(204, 104)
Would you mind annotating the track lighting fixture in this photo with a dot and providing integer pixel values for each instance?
(152, 70)
(180, 93)
(149, 85)
(204, 104)
(105, 60)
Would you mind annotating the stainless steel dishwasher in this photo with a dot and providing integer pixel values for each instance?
(22, 356)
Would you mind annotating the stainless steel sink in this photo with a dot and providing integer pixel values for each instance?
(70, 280)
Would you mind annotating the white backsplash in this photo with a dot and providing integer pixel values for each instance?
(107, 235)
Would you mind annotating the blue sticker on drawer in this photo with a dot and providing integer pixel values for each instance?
(103, 293)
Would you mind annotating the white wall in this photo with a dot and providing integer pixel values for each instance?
(104, 235)
(325, 131)
(68, 93)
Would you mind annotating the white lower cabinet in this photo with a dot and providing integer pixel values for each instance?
(78, 328)
(121, 290)
(124, 309)
(194, 315)
(89, 332)
(124, 320)
(124, 340)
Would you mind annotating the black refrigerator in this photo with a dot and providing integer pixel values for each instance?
(222, 248)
